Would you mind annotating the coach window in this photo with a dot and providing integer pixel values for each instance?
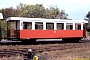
(50, 26)
(78, 26)
(60, 26)
(39, 25)
(69, 26)
(24, 25)
(27, 25)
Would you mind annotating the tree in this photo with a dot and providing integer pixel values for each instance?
(21, 10)
(35, 11)
(38, 11)
(8, 12)
(51, 12)
(88, 25)
(62, 15)
(88, 15)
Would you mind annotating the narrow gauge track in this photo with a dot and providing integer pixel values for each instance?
(20, 50)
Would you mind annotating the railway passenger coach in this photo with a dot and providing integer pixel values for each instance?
(37, 28)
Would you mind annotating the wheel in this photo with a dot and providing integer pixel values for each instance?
(71, 39)
(65, 40)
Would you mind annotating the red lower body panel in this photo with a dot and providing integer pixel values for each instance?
(50, 33)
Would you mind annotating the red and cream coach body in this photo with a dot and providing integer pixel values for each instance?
(36, 28)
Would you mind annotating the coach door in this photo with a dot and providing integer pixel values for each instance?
(9, 29)
(13, 29)
(16, 29)
(84, 30)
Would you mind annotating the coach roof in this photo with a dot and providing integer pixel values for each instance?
(24, 19)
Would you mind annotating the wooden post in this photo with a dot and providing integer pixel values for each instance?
(10, 30)
(7, 30)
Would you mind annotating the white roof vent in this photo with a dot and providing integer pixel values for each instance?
(1, 16)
